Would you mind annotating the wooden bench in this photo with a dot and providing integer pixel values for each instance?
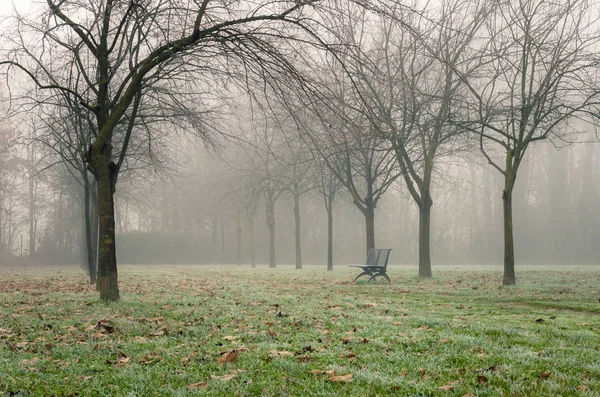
(376, 266)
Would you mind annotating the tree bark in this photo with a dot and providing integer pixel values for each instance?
(238, 256)
(105, 172)
(425, 236)
(95, 225)
(297, 231)
(271, 226)
(370, 225)
(32, 210)
(107, 282)
(509, 248)
(330, 239)
(87, 213)
(251, 236)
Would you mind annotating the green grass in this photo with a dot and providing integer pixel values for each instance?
(458, 334)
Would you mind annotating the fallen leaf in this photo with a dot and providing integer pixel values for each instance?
(122, 359)
(280, 354)
(422, 371)
(103, 326)
(230, 356)
(320, 371)
(224, 378)
(544, 375)
(340, 378)
(581, 387)
(482, 379)
(150, 358)
(199, 385)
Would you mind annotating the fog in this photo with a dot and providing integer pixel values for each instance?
(556, 217)
(237, 157)
(194, 215)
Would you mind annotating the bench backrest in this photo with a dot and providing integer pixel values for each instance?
(378, 257)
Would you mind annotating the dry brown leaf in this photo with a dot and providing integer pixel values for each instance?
(581, 387)
(230, 356)
(340, 378)
(482, 379)
(422, 371)
(199, 385)
(122, 359)
(545, 375)
(224, 378)
(320, 371)
(280, 354)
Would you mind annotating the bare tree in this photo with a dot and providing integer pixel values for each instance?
(360, 159)
(538, 80)
(115, 49)
(412, 92)
(328, 187)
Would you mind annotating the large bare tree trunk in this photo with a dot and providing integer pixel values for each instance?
(107, 282)
(370, 226)
(87, 214)
(297, 231)
(509, 246)
(425, 236)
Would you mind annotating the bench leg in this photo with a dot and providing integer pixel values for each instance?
(374, 276)
(363, 274)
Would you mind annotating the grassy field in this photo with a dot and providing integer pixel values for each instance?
(236, 331)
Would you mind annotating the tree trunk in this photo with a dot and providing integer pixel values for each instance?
(32, 209)
(238, 254)
(271, 226)
(330, 239)
(223, 255)
(95, 224)
(297, 231)
(370, 226)
(425, 235)
(251, 236)
(87, 214)
(107, 282)
(509, 248)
